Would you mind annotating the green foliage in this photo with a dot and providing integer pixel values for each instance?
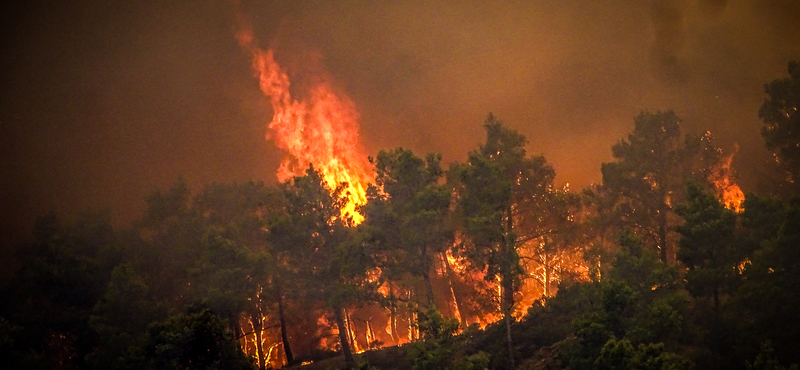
(62, 274)
(638, 302)
(432, 325)
(320, 257)
(781, 130)
(498, 183)
(405, 217)
(197, 339)
(496, 189)
(622, 355)
(766, 359)
(439, 349)
(120, 318)
(88, 296)
(651, 169)
(708, 246)
(767, 295)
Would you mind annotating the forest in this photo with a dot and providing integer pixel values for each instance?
(480, 264)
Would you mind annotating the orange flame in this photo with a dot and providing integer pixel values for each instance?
(727, 189)
(321, 130)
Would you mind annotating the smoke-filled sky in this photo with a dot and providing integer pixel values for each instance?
(103, 101)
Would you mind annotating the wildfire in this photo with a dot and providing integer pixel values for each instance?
(321, 129)
(728, 191)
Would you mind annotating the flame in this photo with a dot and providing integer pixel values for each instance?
(321, 129)
(728, 191)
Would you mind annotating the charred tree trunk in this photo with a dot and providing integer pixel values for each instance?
(507, 283)
(284, 335)
(450, 273)
(508, 302)
(393, 323)
(351, 331)
(257, 328)
(393, 316)
(547, 268)
(426, 277)
(348, 354)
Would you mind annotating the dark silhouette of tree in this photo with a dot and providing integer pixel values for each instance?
(196, 340)
(768, 293)
(63, 273)
(781, 129)
(708, 246)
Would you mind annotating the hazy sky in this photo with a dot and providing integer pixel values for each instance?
(102, 101)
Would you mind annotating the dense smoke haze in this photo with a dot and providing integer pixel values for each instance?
(104, 101)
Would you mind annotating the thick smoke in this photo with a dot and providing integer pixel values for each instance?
(102, 101)
(669, 31)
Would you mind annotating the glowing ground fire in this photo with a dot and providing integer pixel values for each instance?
(320, 130)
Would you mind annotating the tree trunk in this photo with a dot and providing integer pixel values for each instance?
(393, 316)
(393, 323)
(287, 350)
(351, 332)
(662, 233)
(348, 355)
(547, 268)
(426, 277)
(507, 283)
(257, 328)
(508, 302)
(450, 273)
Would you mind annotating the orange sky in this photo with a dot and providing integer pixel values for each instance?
(104, 101)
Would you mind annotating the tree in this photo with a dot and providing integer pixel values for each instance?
(63, 273)
(708, 246)
(768, 293)
(552, 235)
(405, 217)
(648, 177)
(121, 317)
(493, 187)
(195, 340)
(316, 245)
(779, 112)
(236, 271)
(621, 355)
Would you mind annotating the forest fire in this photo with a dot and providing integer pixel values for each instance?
(318, 127)
(321, 130)
(728, 191)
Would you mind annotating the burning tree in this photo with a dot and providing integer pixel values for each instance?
(551, 230)
(316, 244)
(649, 176)
(405, 216)
(493, 188)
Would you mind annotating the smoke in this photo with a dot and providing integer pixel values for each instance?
(669, 39)
(711, 9)
(102, 101)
